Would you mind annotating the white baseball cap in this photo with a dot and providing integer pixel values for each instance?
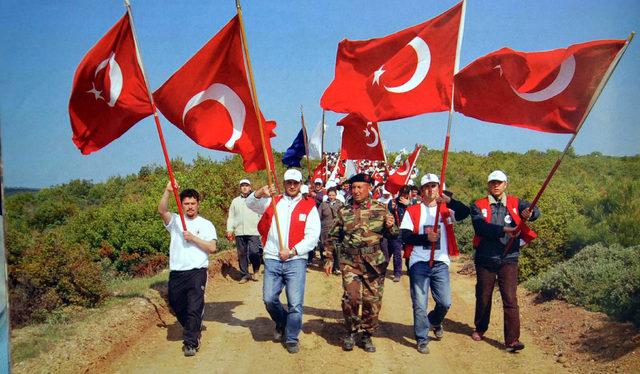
(429, 178)
(318, 180)
(497, 175)
(293, 175)
(245, 181)
(304, 189)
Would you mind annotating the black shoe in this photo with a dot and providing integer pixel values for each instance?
(189, 350)
(349, 342)
(367, 343)
(423, 347)
(293, 347)
(438, 331)
(514, 347)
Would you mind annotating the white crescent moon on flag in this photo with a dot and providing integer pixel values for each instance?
(405, 166)
(422, 68)
(377, 138)
(565, 75)
(115, 78)
(230, 100)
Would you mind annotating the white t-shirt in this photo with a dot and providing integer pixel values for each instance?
(184, 255)
(420, 253)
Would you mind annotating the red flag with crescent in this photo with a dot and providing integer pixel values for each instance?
(399, 75)
(320, 171)
(360, 139)
(545, 91)
(209, 98)
(109, 94)
(400, 176)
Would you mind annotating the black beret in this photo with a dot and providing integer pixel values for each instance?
(362, 177)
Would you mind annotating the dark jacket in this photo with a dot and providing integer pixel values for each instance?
(494, 239)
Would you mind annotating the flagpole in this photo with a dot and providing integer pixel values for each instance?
(156, 118)
(592, 102)
(324, 155)
(386, 166)
(447, 139)
(256, 106)
(306, 143)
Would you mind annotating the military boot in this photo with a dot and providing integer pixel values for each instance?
(367, 343)
(349, 341)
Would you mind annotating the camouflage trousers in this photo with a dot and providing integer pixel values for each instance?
(363, 285)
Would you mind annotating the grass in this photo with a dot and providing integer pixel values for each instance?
(62, 324)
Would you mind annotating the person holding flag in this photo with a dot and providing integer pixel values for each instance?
(300, 226)
(188, 263)
(418, 235)
(495, 219)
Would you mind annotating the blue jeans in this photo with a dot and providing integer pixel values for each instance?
(291, 275)
(421, 277)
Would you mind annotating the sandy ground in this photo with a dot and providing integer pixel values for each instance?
(238, 336)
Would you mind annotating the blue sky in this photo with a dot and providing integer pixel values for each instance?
(292, 46)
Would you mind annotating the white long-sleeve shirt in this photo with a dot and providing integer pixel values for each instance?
(285, 209)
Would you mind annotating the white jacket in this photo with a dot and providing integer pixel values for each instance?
(241, 219)
(285, 208)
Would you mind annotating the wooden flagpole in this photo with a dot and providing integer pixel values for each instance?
(592, 102)
(156, 118)
(254, 96)
(447, 139)
(306, 144)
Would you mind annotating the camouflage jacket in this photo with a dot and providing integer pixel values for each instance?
(359, 226)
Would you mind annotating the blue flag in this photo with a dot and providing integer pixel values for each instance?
(293, 155)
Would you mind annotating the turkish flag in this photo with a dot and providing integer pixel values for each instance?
(360, 139)
(109, 94)
(209, 98)
(544, 91)
(399, 75)
(320, 171)
(400, 176)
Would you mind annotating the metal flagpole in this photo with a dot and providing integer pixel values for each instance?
(156, 118)
(592, 102)
(306, 144)
(447, 139)
(256, 106)
(324, 154)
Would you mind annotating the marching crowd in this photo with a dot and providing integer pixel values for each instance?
(357, 230)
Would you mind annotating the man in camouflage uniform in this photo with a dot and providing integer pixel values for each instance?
(355, 238)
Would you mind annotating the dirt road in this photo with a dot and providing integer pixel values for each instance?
(239, 332)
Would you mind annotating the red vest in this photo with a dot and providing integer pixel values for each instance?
(512, 208)
(296, 226)
(415, 211)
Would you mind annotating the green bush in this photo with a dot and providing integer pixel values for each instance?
(52, 273)
(114, 227)
(599, 278)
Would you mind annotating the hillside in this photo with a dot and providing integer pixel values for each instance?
(66, 242)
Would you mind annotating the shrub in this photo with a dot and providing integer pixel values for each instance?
(52, 273)
(599, 278)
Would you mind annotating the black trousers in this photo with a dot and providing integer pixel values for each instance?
(507, 276)
(186, 298)
(249, 248)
